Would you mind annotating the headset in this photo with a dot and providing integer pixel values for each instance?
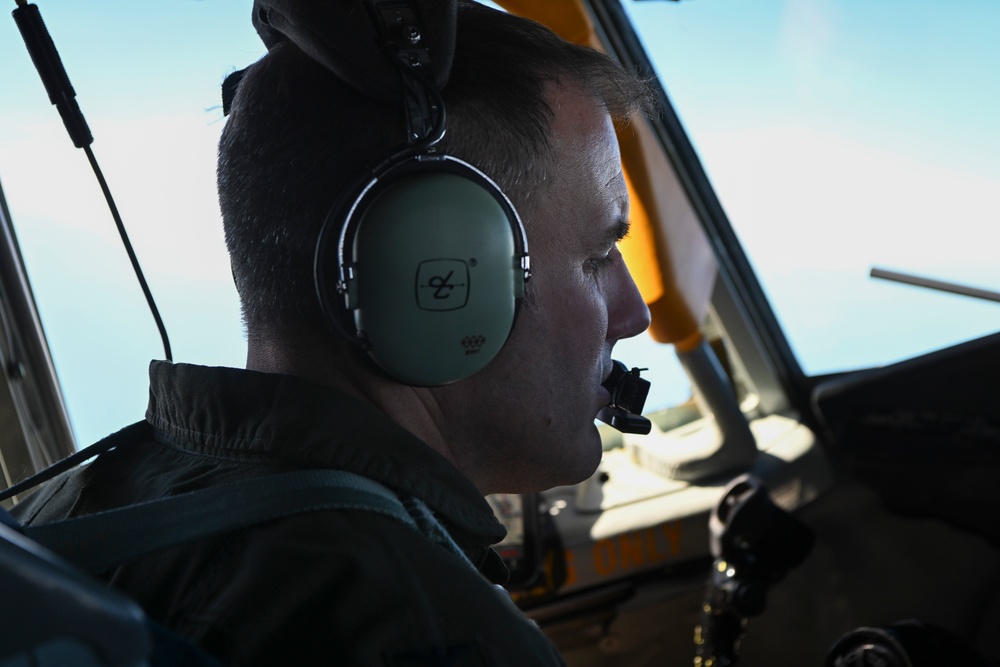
(424, 265)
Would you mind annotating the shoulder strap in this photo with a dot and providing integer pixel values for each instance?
(98, 542)
(103, 540)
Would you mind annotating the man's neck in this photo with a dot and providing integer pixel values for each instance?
(414, 408)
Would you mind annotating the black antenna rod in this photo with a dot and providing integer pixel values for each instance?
(944, 286)
(50, 68)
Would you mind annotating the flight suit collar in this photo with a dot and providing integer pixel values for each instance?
(283, 421)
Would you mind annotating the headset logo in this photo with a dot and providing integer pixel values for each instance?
(473, 344)
(442, 284)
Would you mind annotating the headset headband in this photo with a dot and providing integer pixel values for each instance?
(342, 36)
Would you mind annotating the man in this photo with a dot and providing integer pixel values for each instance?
(352, 587)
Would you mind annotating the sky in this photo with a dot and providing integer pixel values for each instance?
(839, 135)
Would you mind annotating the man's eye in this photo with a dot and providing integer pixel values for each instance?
(601, 262)
(598, 263)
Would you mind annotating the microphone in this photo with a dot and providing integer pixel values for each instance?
(628, 395)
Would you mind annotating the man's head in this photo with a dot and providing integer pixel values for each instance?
(535, 114)
(298, 139)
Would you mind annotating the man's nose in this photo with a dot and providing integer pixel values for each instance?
(628, 314)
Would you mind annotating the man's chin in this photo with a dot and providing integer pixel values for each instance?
(586, 457)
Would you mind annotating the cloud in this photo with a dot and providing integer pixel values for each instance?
(161, 172)
(804, 198)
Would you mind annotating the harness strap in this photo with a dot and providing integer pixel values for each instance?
(98, 542)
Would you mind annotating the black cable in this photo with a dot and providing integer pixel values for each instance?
(50, 68)
(131, 253)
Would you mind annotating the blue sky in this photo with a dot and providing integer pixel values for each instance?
(839, 135)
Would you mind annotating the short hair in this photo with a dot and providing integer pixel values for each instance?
(298, 139)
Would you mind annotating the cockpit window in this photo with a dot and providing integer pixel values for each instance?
(842, 137)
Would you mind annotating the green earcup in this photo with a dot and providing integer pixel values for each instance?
(432, 265)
